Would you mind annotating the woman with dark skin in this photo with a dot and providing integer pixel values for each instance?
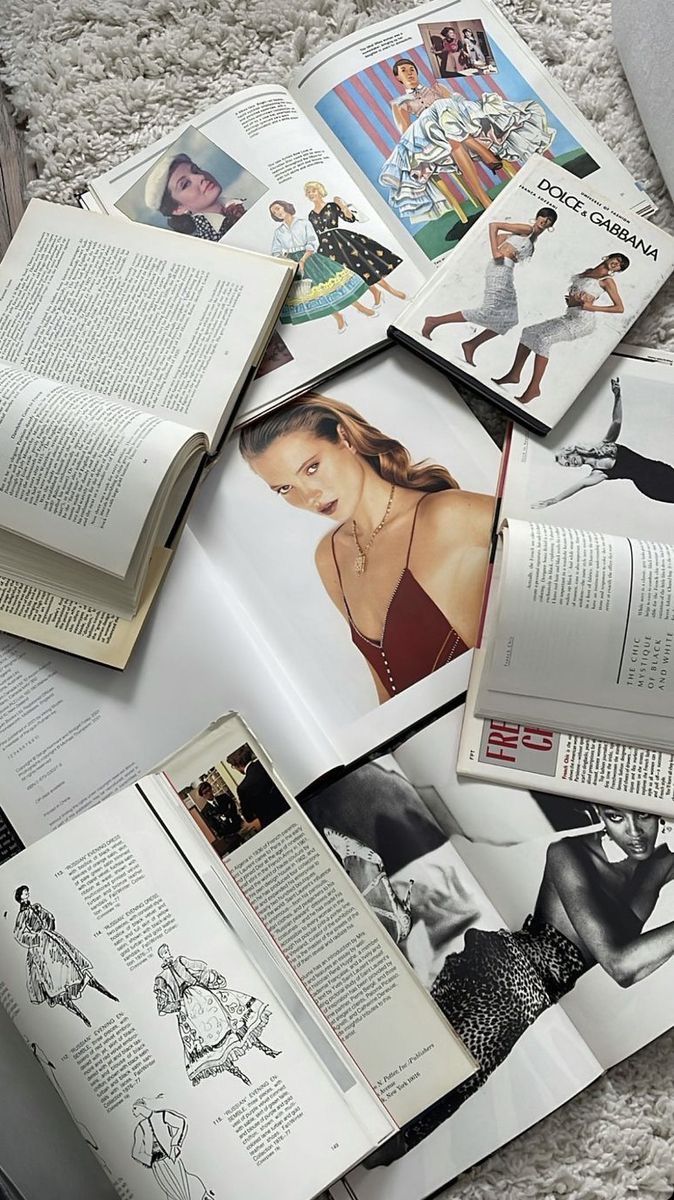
(609, 460)
(582, 309)
(510, 243)
(590, 911)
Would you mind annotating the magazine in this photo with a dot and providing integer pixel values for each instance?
(189, 1013)
(122, 355)
(538, 294)
(367, 169)
(559, 482)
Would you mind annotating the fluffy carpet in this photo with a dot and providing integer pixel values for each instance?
(93, 80)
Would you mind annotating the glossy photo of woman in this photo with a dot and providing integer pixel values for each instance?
(405, 560)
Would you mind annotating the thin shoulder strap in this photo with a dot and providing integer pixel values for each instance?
(414, 525)
(339, 575)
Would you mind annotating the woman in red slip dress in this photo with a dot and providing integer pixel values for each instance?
(406, 563)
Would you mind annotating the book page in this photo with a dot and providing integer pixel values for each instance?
(157, 322)
(79, 474)
(67, 742)
(399, 826)
(269, 851)
(257, 175)
(291, 558)
(628, 404)
(608, 602)
(434, 110)
(168, 1041)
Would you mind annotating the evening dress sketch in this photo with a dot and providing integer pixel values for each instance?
(216, 1024)
(158, 1141)
(56, 971)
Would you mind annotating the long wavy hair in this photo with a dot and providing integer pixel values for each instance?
(328, 419)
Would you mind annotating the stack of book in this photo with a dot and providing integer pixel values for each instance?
(409, 915)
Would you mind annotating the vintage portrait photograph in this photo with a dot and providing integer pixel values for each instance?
(225, 788)
(461, 48)
(440, 146)
(194, 187)
(362, 535)
(609, 464)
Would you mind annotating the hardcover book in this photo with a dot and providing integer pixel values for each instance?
(538, 293)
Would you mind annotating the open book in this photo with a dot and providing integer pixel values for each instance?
(190, 1014)
(604, 476)
(538, 293)
(122, 356)
(367, 170)
(254, 1009)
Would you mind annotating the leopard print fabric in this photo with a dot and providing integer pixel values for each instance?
(491, 992)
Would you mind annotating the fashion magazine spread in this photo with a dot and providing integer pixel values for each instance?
(367, 170)
(190, 1016)
(539, 292)
(616, 435)
(122, 354)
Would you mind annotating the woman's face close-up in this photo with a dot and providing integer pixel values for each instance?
(278, 212)
(192, 189)
(569, 458)
(541, 224)
(313, 193)
(634, 832)
(312, 473)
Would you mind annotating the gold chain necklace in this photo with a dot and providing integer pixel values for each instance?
(363, 551)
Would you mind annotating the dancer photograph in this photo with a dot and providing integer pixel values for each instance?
(405, 562)
(591, 293)
(57, 973)
(367, 258)
(511, 243)
(217, 1025)
(610, 460)
(326, 287)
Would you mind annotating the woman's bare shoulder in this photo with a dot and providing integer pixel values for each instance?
(447, 512)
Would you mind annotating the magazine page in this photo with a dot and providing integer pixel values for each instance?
(253, 172)
(169, 1041)
(605, 877)
(155, 322)
(626, 410)
(436, 109)
(399, 825)
(539, 293)
(233, 801)
(70, 736)
(595, 610)
(354, 528)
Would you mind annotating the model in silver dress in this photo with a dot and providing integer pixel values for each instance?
(582, 308)
(511, 243)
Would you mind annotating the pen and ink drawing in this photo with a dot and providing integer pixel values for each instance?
(158, 1140)
(57, 973)
(216, 1024)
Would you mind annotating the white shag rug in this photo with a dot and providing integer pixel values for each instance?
(94, 80)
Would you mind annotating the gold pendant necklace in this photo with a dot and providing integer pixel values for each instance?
(363, 551)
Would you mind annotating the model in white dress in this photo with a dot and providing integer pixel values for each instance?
(511, 244)
(584, 303)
